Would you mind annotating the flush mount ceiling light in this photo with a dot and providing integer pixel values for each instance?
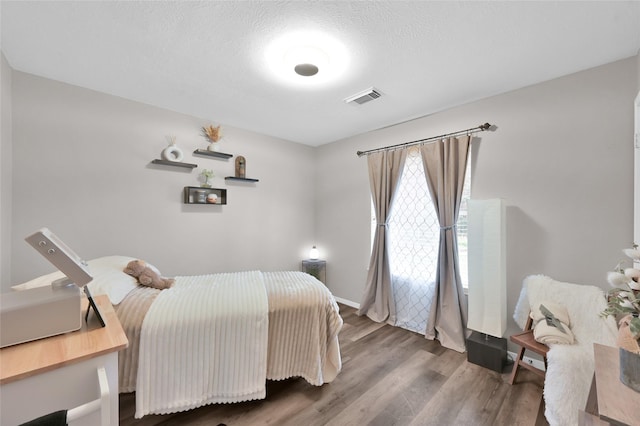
(306, 70)
(307, 59)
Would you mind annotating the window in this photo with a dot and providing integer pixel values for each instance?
(414, 230)
(463, 227)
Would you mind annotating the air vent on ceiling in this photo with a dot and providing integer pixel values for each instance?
(360, 98)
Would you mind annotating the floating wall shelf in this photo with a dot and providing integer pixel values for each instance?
(216, 154)
(199, 195)
(240, 179)
(175, 164)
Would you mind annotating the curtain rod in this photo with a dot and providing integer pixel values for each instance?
(480, 128)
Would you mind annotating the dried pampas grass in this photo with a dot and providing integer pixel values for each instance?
(214, 134)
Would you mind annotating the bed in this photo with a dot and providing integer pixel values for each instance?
(217, 338)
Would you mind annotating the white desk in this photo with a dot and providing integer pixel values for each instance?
(60, 372)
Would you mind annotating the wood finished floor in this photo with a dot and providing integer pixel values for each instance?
(390, 376)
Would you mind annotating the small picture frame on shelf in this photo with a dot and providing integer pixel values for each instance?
(241, 167)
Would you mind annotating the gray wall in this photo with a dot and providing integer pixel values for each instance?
(561, 158)
(81, 167)
(5, 169)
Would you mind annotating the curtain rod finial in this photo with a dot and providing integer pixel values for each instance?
(485, 126)
(359, 153)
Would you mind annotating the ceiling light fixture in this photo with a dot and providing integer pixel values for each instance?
(306, 59)
(306, 70)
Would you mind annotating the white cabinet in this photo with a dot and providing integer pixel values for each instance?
(63, 388)
(61, 373)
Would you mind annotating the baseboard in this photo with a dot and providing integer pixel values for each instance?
(539, 364)
(347, 302)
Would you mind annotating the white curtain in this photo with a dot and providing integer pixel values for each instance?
(414, 234)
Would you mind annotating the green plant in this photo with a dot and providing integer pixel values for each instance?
(206, 174)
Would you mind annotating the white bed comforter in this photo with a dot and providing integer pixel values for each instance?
(204, 341)
(179, 373)
(304, 322)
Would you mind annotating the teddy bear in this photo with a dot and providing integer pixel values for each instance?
(147, 275)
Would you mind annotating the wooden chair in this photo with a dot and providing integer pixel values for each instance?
(526, 342)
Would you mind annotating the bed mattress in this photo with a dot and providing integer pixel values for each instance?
(303, 326)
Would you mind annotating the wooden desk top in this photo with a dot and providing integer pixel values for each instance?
(28, 359)
(617, 403)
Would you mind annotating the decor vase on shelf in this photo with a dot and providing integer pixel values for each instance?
(214, 136)
(624, 302)
(201, 196)
(205, 175)
(172, 152)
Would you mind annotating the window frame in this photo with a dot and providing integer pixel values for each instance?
(461, 228)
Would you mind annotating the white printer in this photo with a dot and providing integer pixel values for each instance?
(46, 311)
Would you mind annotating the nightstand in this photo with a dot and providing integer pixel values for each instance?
(316, 268)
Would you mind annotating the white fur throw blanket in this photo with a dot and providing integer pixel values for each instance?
(569, 367)
(203, 341)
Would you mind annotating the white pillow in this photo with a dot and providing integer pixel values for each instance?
(108, 278)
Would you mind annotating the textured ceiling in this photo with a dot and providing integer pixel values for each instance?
(206, 59)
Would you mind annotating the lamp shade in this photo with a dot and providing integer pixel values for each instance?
(313, 253)
(487, 267)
